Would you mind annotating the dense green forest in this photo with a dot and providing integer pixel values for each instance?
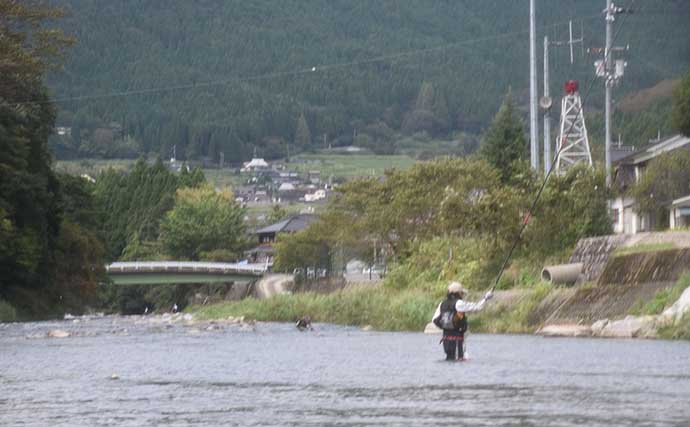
(210, 77)
(50, 253)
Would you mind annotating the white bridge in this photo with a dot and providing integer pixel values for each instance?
(174, 272)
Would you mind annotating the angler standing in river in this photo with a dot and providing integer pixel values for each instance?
(451, 316)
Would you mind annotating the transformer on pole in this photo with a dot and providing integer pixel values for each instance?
(573, 142)
(611, 70)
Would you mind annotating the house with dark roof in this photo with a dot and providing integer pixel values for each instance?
(628, 169)
(263, 253)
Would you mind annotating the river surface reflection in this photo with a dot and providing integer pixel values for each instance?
(176, 373)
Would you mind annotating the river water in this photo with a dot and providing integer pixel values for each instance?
(175, 373)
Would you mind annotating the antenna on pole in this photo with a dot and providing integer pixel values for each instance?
(571, 41)
(570, 31)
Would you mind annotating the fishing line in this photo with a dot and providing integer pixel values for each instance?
(525, 222)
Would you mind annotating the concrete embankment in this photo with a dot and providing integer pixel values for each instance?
(623, 284)
(629, 287)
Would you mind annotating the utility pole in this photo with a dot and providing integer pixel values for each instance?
(545, 103)
(533, 124)
(608, 59)
(612, 71)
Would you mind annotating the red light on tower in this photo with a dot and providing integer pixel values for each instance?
(571, 87)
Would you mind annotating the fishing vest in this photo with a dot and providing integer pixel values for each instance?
(451, 320)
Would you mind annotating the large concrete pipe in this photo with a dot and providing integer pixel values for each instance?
(566, 274)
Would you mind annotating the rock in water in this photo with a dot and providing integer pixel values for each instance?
(598, 326)
(565, 330)
(431, 328)
(58, 333)
(630, 327)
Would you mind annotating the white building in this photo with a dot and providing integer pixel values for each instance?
(255, 164)
(628, 170)
(679, 213)
(315, 196)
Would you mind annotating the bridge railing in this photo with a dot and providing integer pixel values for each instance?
(187, 267)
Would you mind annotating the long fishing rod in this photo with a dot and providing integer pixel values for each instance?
(528, 216)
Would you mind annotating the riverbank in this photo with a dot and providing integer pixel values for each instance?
(512, 311)
(527, 310)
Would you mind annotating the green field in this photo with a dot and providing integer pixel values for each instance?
(223, 178)
(349, 165)
(92, 167)
(338, 166)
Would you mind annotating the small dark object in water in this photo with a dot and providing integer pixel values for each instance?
(304, 323)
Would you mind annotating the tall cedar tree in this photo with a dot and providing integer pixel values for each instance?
(681, 106)
(135, 203)
(505, 142)
(302, 133)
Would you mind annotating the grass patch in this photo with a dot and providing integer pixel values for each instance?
(677, 331)
(662, 299)
(349, 165)
(642, 248)
(383, 309)
(513, 317)
(92, 167)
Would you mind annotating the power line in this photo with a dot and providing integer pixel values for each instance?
(293, 73)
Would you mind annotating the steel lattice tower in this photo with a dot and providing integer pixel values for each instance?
(573, 141)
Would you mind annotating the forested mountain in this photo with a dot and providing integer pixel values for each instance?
(229, 76)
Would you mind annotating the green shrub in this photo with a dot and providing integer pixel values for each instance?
(433, 263)
(679, 330)
(662, 299)
(7, 312)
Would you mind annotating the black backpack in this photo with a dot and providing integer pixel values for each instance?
(450, 319)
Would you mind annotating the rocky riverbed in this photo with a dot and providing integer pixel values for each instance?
(81, 326)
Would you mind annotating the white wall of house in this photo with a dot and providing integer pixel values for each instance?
(625, 219)
(679, 213)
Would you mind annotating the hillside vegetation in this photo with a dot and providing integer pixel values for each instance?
(210, 77)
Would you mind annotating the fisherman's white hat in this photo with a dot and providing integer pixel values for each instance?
(456, 288)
